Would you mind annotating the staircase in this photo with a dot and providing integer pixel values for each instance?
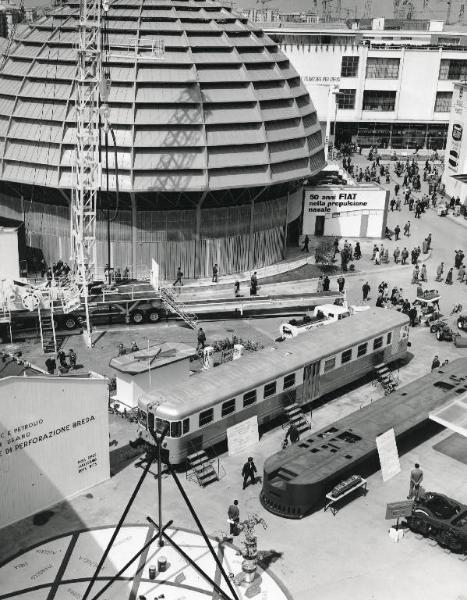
(173, 305)
(295, 416)
(47, 329)
(385, 378)
(202, 467)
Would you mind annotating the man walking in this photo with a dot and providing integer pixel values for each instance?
(366, 290)
(234, 518)
(397, 231)
(341, 283)
(407, 229)
(416, 478)
(306, 243)
(248, 472)
(179, 277)
(404, 255)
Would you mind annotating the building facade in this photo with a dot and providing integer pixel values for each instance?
(387, 87)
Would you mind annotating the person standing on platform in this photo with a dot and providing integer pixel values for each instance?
(326, 283)
(179, 277)
(201, 339)
(215, 273)
(435, 364)
(248, 472)
(253, 284)
(234, 518)
(416, 478)
(306, 243)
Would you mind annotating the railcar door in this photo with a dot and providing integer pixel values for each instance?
(310, 382)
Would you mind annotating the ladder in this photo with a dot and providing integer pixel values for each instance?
(173, 305)
(202, 467)
(47, 330)
(385, 378)
(295, 416)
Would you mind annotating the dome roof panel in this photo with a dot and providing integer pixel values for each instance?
(221, 108)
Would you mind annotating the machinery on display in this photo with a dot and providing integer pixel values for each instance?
(198, 412)
(441, 518)
(297, 479)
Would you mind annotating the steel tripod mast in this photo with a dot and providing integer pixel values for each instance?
(87, 168)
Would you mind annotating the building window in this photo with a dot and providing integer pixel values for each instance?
(329, 364)
(206, 417)
(349, 67)
(382, 68)
(346, 356)
(289, 381)
(389, 338)
(443, 101)
(361, 351)
(449, 41)
(378, 343)
(453, 69)
(249, 398)
(346, 99)
(270, 389)
(228, 407)
(186, 425)
(379, 100)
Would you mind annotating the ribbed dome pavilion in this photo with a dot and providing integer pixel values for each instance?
(221, 110)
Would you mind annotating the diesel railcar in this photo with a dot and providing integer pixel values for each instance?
(199, 412)
(297, 479)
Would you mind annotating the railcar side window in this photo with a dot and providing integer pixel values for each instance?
(175, 429)
(346, 356)
(270, 389)
(249, 398)
(206, 416)
(362, 349)
(289, 381)
(329, 364)
(150, 421)
(186, 425)
(378, 342)
(389, 338)
(228, 407)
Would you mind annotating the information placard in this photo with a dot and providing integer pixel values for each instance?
(388, 454)
(397, 510)
(242, 436)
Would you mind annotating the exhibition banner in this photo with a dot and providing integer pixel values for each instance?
(388, 454)
(242, 436)
(54, 441)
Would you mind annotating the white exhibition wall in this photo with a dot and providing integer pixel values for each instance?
(456, 147)
(9, 263)
(348, 211)
(54, 441)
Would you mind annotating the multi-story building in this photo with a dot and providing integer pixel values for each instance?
(389, 87)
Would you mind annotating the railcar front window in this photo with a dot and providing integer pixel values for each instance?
(175, 429)
(186, 425)
(162, 425)
(142, 418)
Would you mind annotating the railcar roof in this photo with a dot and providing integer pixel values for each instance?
(315, 457)
(235, 377)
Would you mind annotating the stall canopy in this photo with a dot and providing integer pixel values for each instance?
(453, 415)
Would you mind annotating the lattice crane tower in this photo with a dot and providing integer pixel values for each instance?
(87, 169)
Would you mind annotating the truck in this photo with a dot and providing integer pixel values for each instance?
(325, 314)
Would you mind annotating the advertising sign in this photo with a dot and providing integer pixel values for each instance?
(54, 441)
(388, 454)
(242, 436)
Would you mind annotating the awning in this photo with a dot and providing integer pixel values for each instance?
(453, 415)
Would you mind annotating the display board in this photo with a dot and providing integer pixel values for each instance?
(456, 144)
(353, 211)
(388, 454)
(242, 436)
(397, 510)
(54, 441)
